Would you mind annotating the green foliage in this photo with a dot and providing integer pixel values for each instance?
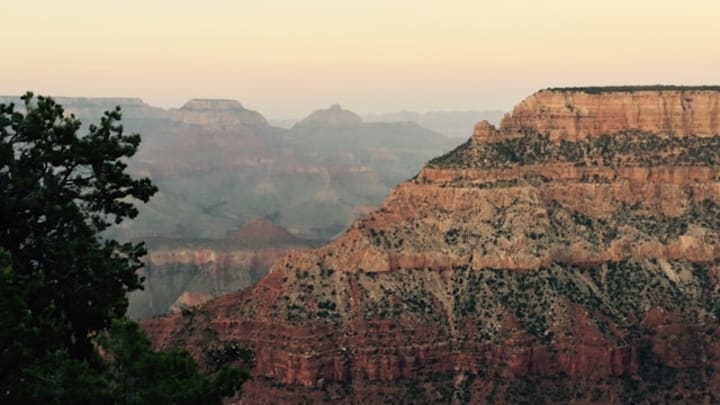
(59, 192)
(62, 286)
(128, 372)
(140, 376)
(59, 379)
(29, 374)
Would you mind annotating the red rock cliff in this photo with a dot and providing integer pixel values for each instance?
(511, 269)
(578, 114)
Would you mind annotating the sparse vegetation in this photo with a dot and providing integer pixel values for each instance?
(630, 148)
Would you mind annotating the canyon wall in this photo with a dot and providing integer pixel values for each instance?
(550, 260)
(571, 114)
(184, 273)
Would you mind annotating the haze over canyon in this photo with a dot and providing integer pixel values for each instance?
(230, 182)
(360, 202)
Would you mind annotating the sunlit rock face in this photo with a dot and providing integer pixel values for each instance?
(573, 114)
(568, 256)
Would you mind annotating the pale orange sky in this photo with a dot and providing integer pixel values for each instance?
(286, 58)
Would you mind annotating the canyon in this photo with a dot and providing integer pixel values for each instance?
(182, 273)
(219, 166)
(542, 261)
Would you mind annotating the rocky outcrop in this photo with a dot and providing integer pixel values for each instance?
(579, 113)
(536, 260)
(188, 300)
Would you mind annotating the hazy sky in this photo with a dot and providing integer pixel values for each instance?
(286, 58)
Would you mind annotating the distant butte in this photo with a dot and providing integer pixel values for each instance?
(263, 232)
(333, 116)
(219, 113)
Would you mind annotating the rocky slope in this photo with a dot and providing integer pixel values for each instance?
(182, 273)
(562, 258)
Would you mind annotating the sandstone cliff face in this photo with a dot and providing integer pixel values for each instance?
(579, 114)
(537, 262)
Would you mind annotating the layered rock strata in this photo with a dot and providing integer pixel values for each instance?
(551, 260)
(185, 273)
(589, 112)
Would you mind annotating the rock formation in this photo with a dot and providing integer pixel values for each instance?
(569, 256)
(262, 231)
(219, 113)
(209, 154)
(520, 264)
(184, 273)
(333, 116)
(188, 300)
(578, 113)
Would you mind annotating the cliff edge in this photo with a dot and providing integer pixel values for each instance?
(577, 113)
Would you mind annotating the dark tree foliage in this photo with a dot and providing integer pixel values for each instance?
(59, 192)
(63, 287)
(140, 376)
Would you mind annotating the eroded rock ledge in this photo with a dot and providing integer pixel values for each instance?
(578, 114)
